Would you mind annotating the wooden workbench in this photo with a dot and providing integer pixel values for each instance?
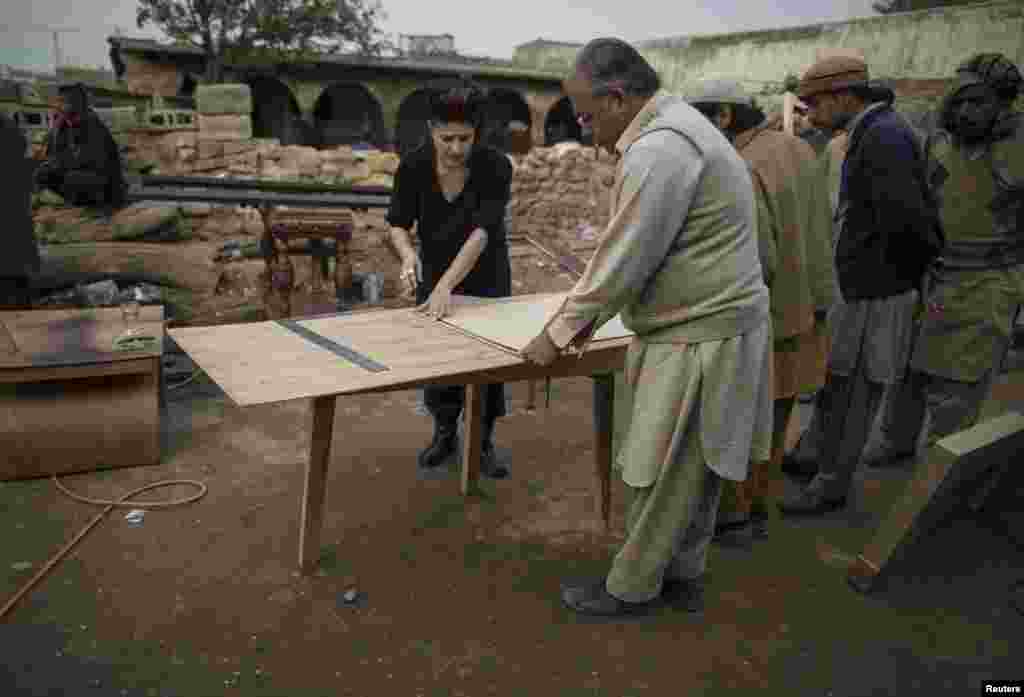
(266, 362)
(68, 401)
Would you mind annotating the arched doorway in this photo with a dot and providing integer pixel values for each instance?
(560, 124)
(276, 113)
(347, 113)
(413, 114)
(508, 121)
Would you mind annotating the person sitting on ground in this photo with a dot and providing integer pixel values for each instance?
(82, 161)
(455, 190)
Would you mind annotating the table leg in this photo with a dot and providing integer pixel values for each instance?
(316, 475)
(531, 395)
(604, 400)
(472, 437)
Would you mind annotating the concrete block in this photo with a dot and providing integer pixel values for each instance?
(225, 127)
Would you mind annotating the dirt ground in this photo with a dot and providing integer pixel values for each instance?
(460, 596)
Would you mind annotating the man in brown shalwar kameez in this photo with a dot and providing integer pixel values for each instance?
(794, 238)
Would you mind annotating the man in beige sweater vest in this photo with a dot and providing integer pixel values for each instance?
(679, 261)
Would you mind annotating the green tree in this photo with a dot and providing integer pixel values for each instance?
(236, 29)
(886, 7)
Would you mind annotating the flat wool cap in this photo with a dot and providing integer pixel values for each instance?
(831, 74)
(718, 92)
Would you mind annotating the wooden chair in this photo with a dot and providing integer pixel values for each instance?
(289, 231)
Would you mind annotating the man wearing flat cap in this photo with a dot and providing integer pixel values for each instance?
(794, 239)
(976, 168)
(888, 234)
(82, 160)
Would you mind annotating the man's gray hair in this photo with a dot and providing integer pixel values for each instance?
(612, 64)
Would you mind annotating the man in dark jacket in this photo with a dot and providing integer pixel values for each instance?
(19, 255)
(888, 235)
(82, 160)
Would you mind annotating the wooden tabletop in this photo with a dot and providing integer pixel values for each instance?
(265, 362)
(53, 338)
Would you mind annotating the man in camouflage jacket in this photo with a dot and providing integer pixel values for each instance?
(976, 170)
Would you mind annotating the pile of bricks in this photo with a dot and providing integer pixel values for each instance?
(560, 197)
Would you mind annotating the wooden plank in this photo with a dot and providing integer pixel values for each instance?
(80, 423)
(77, 337)
(604, 401)
(472, 438)
(531, 395)
(313, 493)
(514, 322)
(71, 372)
(934, 490)
(604, 357)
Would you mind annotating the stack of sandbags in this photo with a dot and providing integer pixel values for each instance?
(558, 191)
(299, 158)
(225, 112)
(382, 162)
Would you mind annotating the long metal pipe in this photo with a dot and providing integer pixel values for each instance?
(259, 197)
(261, 185)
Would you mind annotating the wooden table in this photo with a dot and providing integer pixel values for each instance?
(266, 362)
(68, 401)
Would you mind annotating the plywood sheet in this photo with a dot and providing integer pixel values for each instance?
(513, 322)
(263, 362)
(53, 338)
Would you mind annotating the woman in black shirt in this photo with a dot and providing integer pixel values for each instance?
(455, 191)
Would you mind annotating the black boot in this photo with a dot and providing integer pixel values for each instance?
(441, 447)
(489, 465)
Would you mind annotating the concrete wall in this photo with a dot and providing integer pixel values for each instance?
(551, 56)
(922, 49)
(925, 45)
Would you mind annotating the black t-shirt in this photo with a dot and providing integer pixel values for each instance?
(443, 227)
